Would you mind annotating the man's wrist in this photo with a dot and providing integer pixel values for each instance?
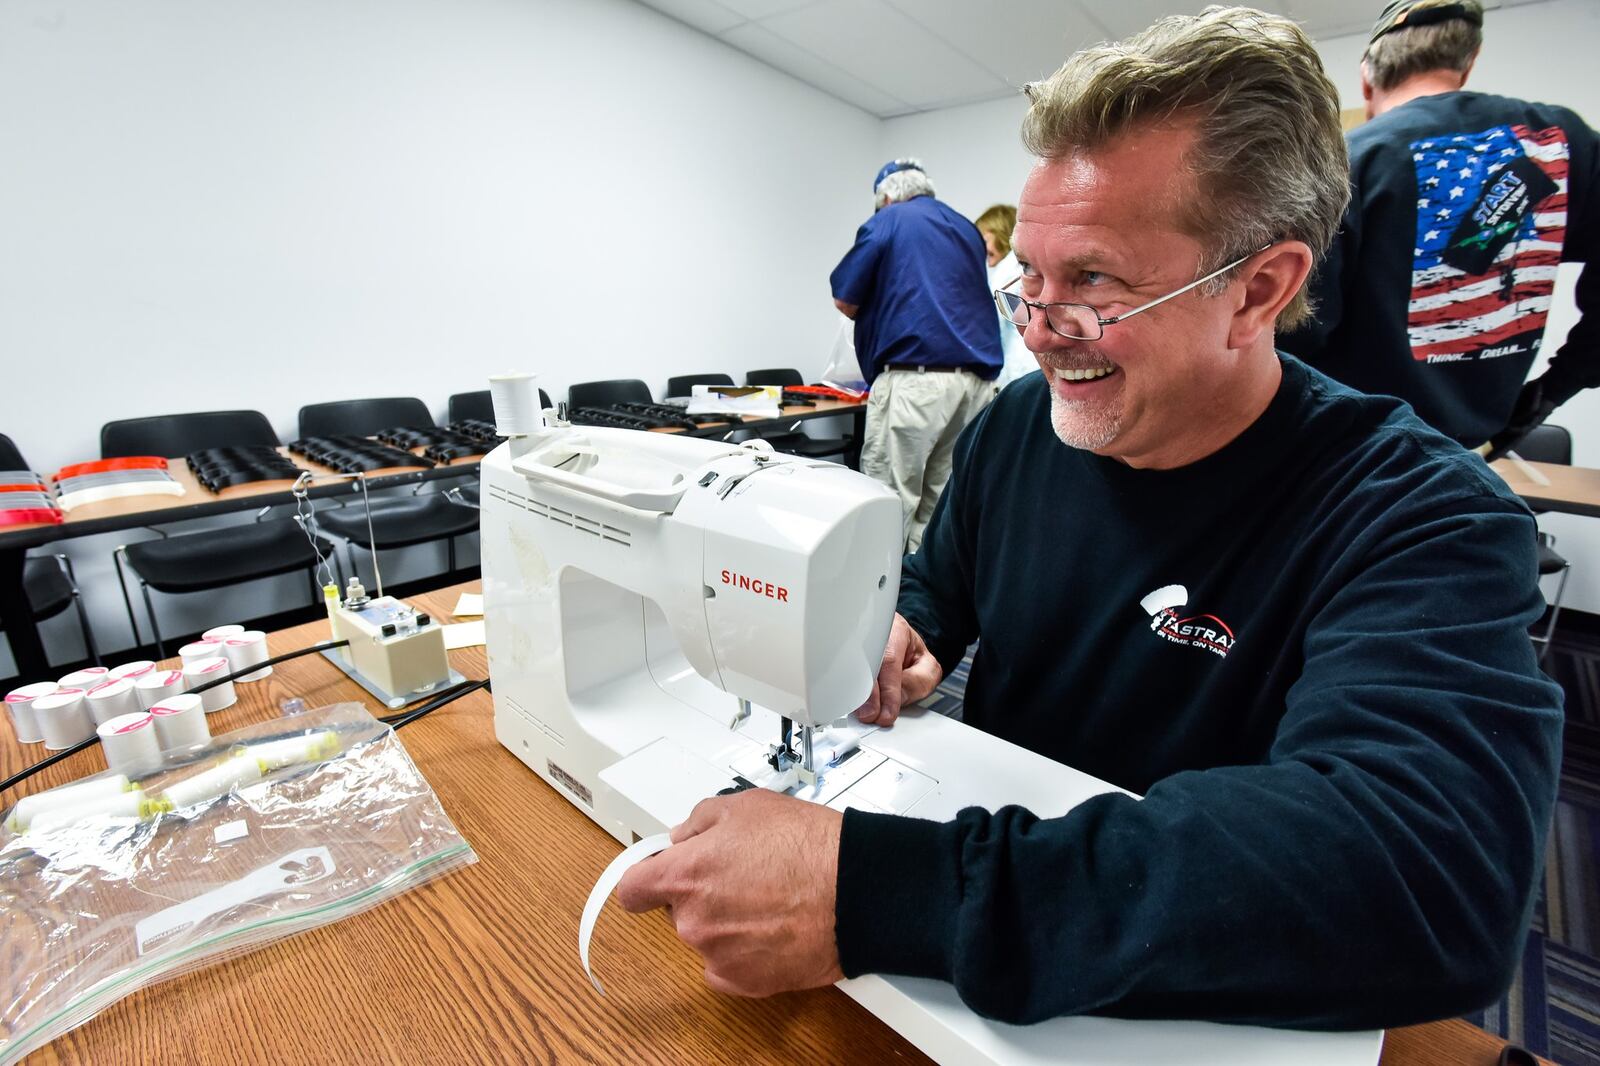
(882, 860)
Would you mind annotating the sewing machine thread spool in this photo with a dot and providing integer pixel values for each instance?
(111, 699)
(73, 795)
(217, 781)
(205, 648)
(63, 718)
(132, 671)
(85, 679)
(219, 633)
(180, 722)
(244, 650)
(19, 702)
(152, 688)
(129, 742)
(516, 404)
(202, 670)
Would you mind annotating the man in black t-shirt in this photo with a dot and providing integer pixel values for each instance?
(1438, 287)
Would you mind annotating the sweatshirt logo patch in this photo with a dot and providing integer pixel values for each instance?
(1205, 631)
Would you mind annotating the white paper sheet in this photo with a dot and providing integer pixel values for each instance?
(470, 605)
(464, 634)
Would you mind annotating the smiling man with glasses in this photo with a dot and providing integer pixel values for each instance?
(1290, 616)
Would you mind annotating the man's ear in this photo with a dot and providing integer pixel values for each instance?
(1367, 90)
(1266, 285)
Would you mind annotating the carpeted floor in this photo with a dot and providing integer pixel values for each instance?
(1553, 1006)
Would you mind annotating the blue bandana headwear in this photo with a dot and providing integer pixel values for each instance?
(891, 168)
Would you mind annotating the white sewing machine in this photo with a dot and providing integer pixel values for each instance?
(669, 618)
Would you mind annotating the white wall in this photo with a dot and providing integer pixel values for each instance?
(242, 204)
(1540, 51)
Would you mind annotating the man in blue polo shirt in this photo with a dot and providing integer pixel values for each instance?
(916, 286)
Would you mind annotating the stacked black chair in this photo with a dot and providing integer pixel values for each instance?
(396, 521)
(48, 581)
(784, 376)
(1549, 444)
(606, 393)
(214, 558)
(684, 385)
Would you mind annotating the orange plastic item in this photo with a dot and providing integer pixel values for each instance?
(101, 466)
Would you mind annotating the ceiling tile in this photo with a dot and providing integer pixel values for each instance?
(707, 15)
(1021, 42)
(769, 48)
(760, 9)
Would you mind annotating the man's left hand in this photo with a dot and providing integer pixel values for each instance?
(749, 882)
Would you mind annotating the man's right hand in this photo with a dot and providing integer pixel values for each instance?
(907, 674)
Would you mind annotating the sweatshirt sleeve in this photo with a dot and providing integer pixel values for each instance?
(1576, 364)
(937, 580)
(1378, 869)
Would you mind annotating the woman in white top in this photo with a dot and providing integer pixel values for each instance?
(996, 225)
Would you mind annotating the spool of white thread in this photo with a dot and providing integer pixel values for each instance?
(127, 805)
(19, 702)
(232, 629)
(200, 671)
(63, 718)
(129, 742)
(244, 650)
(151, 689)
(30, 807)
(199, 649)
(86, 679)
(180, 722)
(133, 671)
(109, 699)
(516, 404)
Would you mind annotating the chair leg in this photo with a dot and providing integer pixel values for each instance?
(1555, 612)
(122, 581)
(83, 615)
(450, 553)
(150, 609)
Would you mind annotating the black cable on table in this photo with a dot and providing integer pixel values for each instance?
(28, 771)
(395, 721)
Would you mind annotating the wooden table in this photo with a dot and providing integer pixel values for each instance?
(481, 966)
(1554, 486)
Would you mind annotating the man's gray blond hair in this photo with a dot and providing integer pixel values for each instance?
(903, 184)
(1269, 159)
(1402, 54)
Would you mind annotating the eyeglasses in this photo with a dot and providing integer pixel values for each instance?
(1080, 322)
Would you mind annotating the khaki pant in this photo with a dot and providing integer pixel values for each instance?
(913, 420)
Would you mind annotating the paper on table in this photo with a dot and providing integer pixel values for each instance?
(464, 634)
(620, 865)
(470, 605)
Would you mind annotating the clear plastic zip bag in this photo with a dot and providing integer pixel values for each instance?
(259, 834)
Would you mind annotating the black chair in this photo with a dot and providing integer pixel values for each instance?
(214, 558)
(684, 384)
(784, 376)
(1549, 444)
(480, 405)
(606, 393)
(48, 581)
(396, 521)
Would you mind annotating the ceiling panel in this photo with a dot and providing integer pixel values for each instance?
(1021, 41)
(760, 9)
(774, 50)
(887, 49)
(707, 15)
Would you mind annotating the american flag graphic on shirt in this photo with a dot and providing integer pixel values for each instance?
(1491, 219)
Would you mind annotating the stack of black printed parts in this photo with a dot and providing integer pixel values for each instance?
(25, 498)
(222, 468)
(486, 433)
(609, 417)
(354, 455)
(442, 444)
(668, 416)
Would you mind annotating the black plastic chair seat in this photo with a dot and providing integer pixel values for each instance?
(218, 557)
(401, 521)
(1550, 561)
(811, 447)
(47, 587)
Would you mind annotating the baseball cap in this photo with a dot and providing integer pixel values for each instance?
(894, 166)
(1404, 14)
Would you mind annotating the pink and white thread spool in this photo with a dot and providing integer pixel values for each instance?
(111, 699)
(151, 689)
(20, 703)
(133, 671)
(219, 633)
(130, 744)
(85, 679)
(63, 718)
(244, 650)
(199, 649)
(180, 722)
(200, 671)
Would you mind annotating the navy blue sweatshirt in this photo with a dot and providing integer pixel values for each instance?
(1307, 650)
(1438, 286)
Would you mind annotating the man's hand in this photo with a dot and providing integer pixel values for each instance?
(907, 674)
(749, 882)
(1532, 408)
(847, 310)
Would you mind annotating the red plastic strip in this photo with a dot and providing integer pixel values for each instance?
(24, 516)
(100, 466)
